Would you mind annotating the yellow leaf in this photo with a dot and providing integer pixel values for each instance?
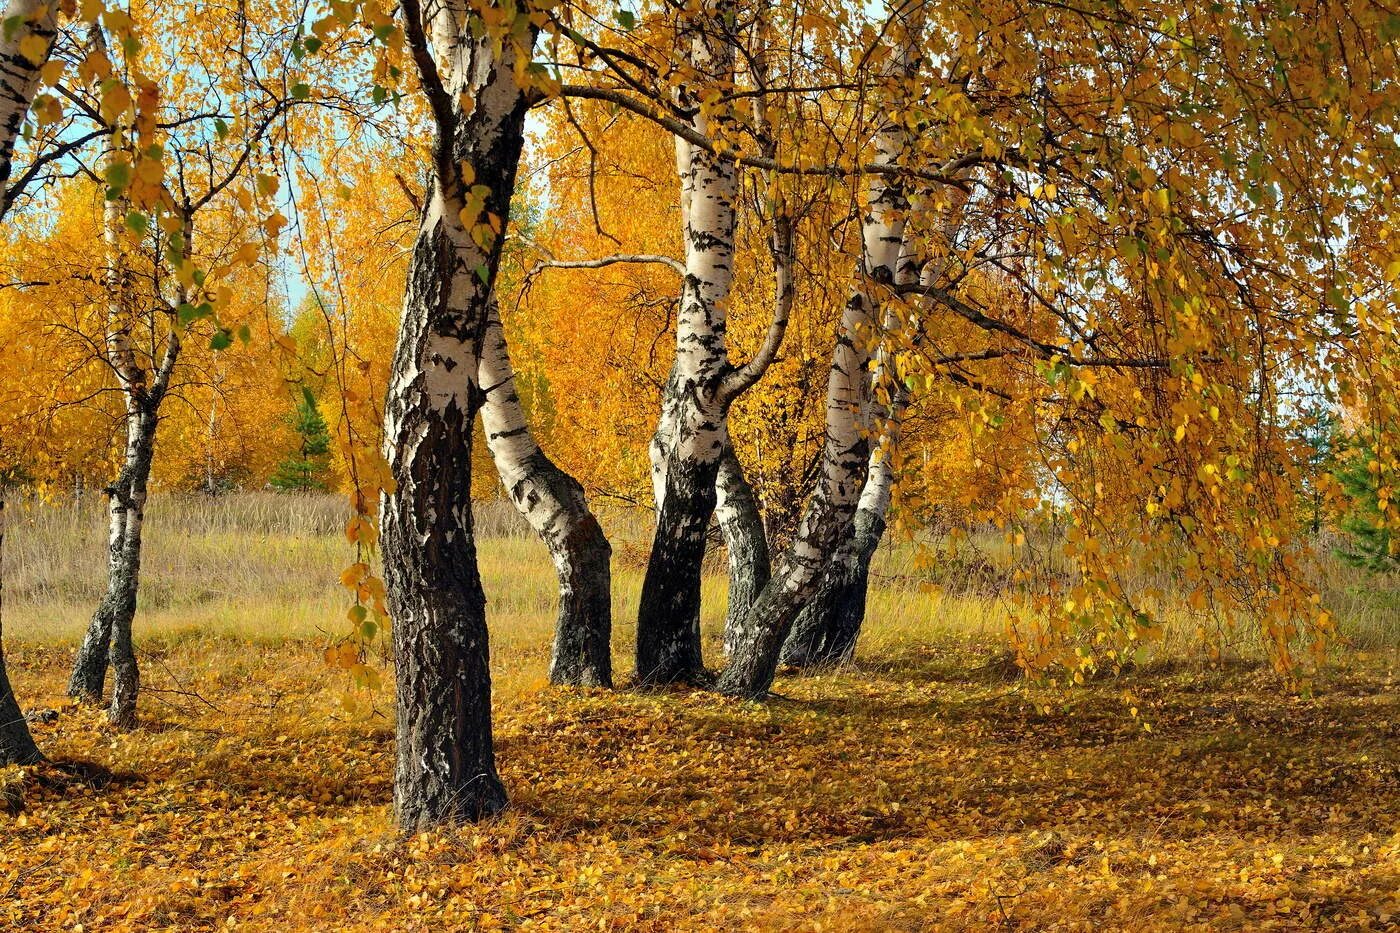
(35, 48)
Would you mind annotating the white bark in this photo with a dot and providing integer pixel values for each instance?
(554, 504)
(19, 74)
(845, 455)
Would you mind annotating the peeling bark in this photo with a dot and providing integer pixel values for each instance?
(554, 504)
(16, 744)
(446, 770)
(827, 627)
(19, 75)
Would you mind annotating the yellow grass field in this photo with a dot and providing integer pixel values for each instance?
(922, 789)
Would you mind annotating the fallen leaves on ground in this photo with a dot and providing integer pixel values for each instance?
(918, 794)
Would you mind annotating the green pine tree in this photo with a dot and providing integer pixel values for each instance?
(1370, 541)
(309, 467)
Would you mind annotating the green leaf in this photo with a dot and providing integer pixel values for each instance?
(221, 128)
(301, 91)
(245, 334)
(221, 340)
(137, 223)
(117, 175)
(626, 19)
(311, 44)
(309, 396)
(483, 274)
(379, 94)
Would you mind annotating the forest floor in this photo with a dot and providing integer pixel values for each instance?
(921, 789)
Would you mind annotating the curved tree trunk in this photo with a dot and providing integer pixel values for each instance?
(746, 540)
(126, 675)
(829, 513)
(19, 75)
(554, 504)
(446, 768)
(16, 744)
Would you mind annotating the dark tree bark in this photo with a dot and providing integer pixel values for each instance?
(746, 540)
(16, 744)
(668, 626)
(827, 628)
(446, 770)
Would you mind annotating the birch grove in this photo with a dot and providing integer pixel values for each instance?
(1061, 274)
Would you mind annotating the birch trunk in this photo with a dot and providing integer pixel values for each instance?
(693, 431)
(746, 540)
(19, 74)
(144, 387)
(828, 626)
(553, 503)
(759, 639)
(16, 744)
(446, 770)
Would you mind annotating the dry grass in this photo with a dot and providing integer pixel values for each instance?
(920, 790)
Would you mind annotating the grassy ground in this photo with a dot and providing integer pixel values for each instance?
(922, 789)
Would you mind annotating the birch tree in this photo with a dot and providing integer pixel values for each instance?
(758, 640)
(473, 74)
(29, 29)
(156, 291)
(26, 38)
(827, 627)
(692, 433)
(144, 385)
(553, 503)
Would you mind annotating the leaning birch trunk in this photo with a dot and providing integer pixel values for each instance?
(126, 578)
(143, 390)
(553, 503)
(759, 640)
(446, 769)
(693, 431)
(19, 73)
(16, 744)
(827, 627)
(741, 522)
